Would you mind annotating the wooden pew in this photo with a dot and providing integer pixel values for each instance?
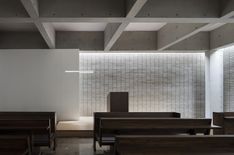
(51, 116)
(15, 145)
(110, 127)
(32, 115)
(225, 120)
(174, 145)
(38, 130)
(99, 115)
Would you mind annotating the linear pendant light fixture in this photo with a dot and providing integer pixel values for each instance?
(80, 72)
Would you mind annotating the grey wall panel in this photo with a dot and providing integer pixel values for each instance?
(155, 82)
(228, 79)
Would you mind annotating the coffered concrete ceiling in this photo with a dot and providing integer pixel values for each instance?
(117, 25)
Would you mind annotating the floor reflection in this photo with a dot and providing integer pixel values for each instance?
(75, 146)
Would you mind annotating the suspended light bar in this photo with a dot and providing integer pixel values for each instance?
(81, 72)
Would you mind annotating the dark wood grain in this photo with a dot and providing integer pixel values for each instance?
(99, 115)
(117, 102)
(224, 120)
(32, 116)
(174, 145)
(110, 127)
(153, 123)
(15, 145)
(41, 124)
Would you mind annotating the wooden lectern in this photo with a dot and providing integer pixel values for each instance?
(117, 102)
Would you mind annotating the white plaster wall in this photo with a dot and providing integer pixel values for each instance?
(35, 80)
(214, 82)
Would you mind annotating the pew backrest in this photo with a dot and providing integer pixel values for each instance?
(25, 123)
(99, 115)
(31, 126)
(32, 116)
(170, 145)
(110, 127)
(152, 123)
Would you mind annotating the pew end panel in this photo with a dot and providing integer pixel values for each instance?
(224, 120)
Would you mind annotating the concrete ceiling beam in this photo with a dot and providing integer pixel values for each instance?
(117, 20)
(114, 30)
(200, 41)
(184, 31)
(46, 29)
(172, 34)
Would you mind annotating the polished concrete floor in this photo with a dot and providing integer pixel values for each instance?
(75, 146)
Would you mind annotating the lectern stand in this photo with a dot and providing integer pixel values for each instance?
(117, 102)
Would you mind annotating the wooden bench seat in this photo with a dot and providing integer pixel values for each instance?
(99, 115)
(174, 145)
(38, 130)
(36, 116)
(15, 145)
(110, 127)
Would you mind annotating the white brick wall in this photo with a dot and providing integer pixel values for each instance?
(229, 79)
(155, 82)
